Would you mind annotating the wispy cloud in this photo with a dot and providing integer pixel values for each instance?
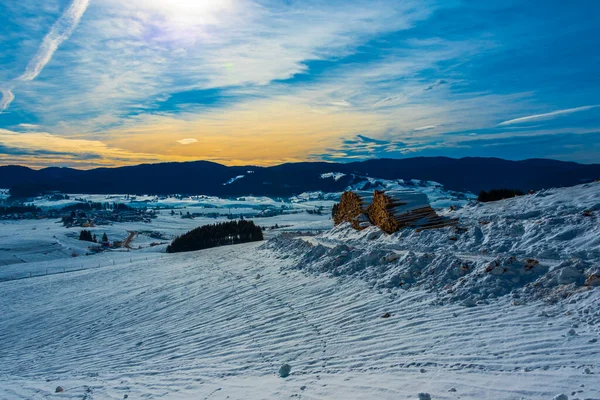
(60, 31)
(187, 141)
(7, 98)
(425, 128)
(128, 55)
(29, 127)
(58, 150)
(546, 116)
(438, 83)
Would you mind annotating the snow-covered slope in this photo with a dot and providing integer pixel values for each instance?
(497, 308)
(219, 323)
(540, 246)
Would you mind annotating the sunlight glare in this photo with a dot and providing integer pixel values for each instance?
(190, 13)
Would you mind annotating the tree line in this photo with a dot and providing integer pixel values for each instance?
(89, 206)
(19, 209)
(220, 234)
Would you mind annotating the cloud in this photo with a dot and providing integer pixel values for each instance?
(31, 147)
(425, 128)
(28, 127)
(7, 98)
(269, 81)
(60, 31)
(367, 139)
(341, 103)
(128, 55)
(438, 83)
(187, 141)
(6, 151)
(547, 116)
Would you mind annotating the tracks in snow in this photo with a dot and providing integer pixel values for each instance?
(294, 313)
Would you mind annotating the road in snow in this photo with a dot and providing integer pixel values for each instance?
(219, 323)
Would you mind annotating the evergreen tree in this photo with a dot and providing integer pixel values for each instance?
(86, 236)
(225, 233)
(104, 238)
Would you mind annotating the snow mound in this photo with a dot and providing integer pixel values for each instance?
(452, 277)
(544, 246)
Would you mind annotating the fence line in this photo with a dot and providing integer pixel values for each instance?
(57, 271)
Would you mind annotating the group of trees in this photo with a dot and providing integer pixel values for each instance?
(89, 237)
(28, 190)
(498, 194)
(89, 206)
(220, 234)
(18, 209)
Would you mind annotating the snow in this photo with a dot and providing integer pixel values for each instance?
(437, 195)
(516, 247)
(336, 176)
(235, 178)
(185, 325)
(409, 200)
(550, 224)
(495, 309)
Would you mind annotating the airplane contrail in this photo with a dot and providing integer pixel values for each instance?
(60, 31)
(549, 115)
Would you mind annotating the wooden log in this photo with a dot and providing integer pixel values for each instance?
(352, 208)
(394, 210)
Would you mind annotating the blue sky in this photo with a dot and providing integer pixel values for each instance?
(104, 82)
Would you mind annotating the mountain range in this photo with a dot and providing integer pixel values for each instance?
(470, 174)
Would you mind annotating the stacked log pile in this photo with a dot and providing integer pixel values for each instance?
(394, 210)
(353, 209)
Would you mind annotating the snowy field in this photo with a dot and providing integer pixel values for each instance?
(454, 313)
(24, 244)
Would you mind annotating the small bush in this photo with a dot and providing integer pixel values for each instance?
(221, 234)
(498, 194)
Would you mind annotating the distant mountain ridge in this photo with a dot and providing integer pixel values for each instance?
(203, 177)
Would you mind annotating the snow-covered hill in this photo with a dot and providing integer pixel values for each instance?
(456, 313)
(219, 323)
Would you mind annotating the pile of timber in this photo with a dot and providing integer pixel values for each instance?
(394, 210)
(353, 209)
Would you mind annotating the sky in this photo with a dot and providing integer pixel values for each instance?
(89, 83)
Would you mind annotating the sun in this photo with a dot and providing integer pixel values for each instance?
(190, 13)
